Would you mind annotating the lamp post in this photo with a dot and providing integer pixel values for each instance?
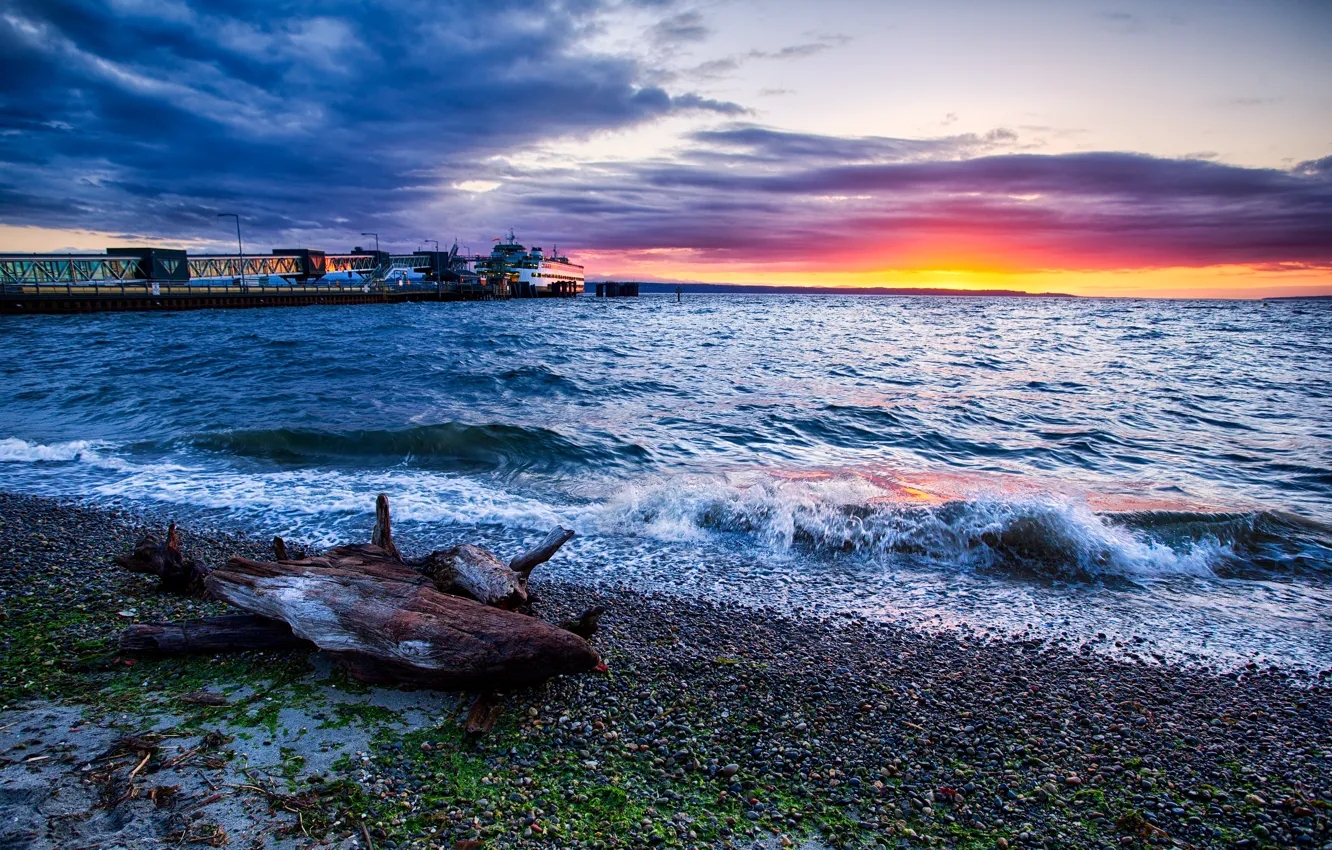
(376, 235)
(240, 247)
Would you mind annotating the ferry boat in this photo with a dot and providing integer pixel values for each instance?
(530, 272)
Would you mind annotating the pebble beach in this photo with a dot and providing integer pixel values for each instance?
(713, 727)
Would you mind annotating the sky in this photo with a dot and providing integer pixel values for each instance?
(1163, 148)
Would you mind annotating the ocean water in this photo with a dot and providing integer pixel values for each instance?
(1145, 476)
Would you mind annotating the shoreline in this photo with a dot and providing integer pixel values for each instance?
(841, 733)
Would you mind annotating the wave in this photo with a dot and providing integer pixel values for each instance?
(448, 445)
(318, 505)
(14, 450)
(95, 453)
(1034, 534)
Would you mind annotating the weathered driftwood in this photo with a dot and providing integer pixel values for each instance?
(586, 624)
(165, 560)
(541, 553)
(474, 571)
(382, 536)
(280, 551)
(211, 634)
(386, 622)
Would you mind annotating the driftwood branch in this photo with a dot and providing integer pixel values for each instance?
(383, 533)
(477, 573)
(211, 634)
(165, 560)
(541, 553)
(586, 624)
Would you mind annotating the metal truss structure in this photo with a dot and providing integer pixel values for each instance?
(53, 268)
(260, 266)
(95, 271)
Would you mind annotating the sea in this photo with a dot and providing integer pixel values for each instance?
(1143, 477)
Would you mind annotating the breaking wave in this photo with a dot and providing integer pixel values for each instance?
(1047, 535)
(92, 453)
(14, 450)
(448, 445)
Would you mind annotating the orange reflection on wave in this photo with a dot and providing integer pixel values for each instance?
(934, 488)
(790, 475)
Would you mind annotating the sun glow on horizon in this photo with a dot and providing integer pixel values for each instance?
(1222, 281)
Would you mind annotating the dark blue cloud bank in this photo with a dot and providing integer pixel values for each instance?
(149, 117)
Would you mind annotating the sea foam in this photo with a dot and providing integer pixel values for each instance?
(1040, 534)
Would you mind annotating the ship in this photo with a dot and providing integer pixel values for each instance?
(530, 272)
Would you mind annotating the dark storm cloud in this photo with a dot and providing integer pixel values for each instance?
(150, 116)
(751, 194)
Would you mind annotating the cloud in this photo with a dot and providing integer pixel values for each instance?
(715, 68)
(1124, 22)
(753, 195)
(764, 144)
(1316, 167)
(152, 116)
(794, 51)
(149, 118)
(678, 29)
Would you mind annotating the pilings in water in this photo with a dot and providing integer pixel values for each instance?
(613, 289)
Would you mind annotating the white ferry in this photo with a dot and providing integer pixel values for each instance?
(530, 272)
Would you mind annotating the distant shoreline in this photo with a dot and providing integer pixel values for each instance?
(765, 289)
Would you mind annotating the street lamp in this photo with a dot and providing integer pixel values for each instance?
(376, 235)
(240, 247)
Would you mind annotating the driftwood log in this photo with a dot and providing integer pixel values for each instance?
(211, 634)
(386, 622)
(444, 621)
(165, 560)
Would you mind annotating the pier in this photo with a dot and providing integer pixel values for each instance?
(617, 289)
(168, 279)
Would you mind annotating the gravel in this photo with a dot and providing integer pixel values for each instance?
(719, 727)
